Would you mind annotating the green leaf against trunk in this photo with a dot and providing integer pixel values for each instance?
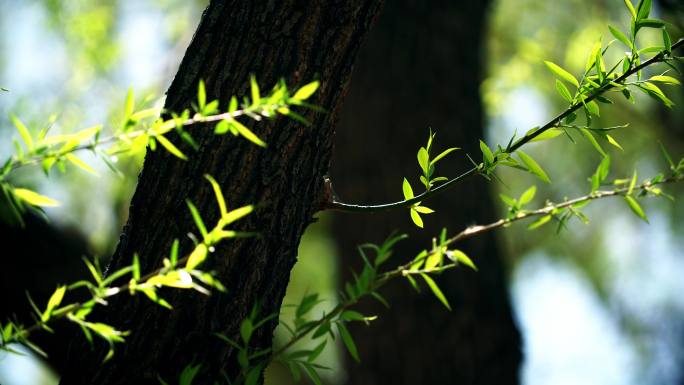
(254, 88)
(461, 257)
(170, 147)
(415, 217)
(54, 301)
(533, 166)
(561, 73)
(201, 95)
(348, 341)
(197, 256)
(197, 218)
(247, 133)
(306, 91)
(407, 190)
(218, 194)
(636, 208)
(435, 290)
(443, 154)
(423, 159)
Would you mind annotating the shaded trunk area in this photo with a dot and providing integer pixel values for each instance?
(421, 67)
(298, 40)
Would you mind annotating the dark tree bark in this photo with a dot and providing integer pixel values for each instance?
(297, 39)
(421, 66)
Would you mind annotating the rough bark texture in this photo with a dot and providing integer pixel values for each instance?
(297, 39)
(421, 67)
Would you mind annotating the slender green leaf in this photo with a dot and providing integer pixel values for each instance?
(539, 222)
(219, 195)
(528, 195)
(563, 91)
(665, 79)
(348, 341)
(561, 73)
(247, 134)
(34, 199)
(415, 217)
(170, 147)
(533, 166)
(620, 36)
(443, 154)
(632, 11)
(423, 159)
(487, 154)
(23, 132)
(54, 301)
(643, 9)
(436, 290)
(306, 91)
(636, 208)
(201, 95)
(406, 188)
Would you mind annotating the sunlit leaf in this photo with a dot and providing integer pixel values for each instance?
(54, 301)
(170, 147)
(306, 91)
(539, 222)
(254, 88)
(247, 133)
(665, 79)
(636, 208)
(406, 188)
(415, 217)
(533, 166)
(561, 73)
(528, 195)
(34, 199)
(23, 132)
(620, 36)
(219, 195)
(76, 161)
(436, 290)
(197, 256)
(563, 91)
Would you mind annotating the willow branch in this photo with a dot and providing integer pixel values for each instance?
(336, 205)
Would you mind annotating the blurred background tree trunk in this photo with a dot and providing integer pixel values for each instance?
(421, 67)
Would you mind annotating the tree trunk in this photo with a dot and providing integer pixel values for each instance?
(296, 39)
(421, 67)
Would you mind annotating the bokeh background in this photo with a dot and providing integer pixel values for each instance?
(596, 304)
